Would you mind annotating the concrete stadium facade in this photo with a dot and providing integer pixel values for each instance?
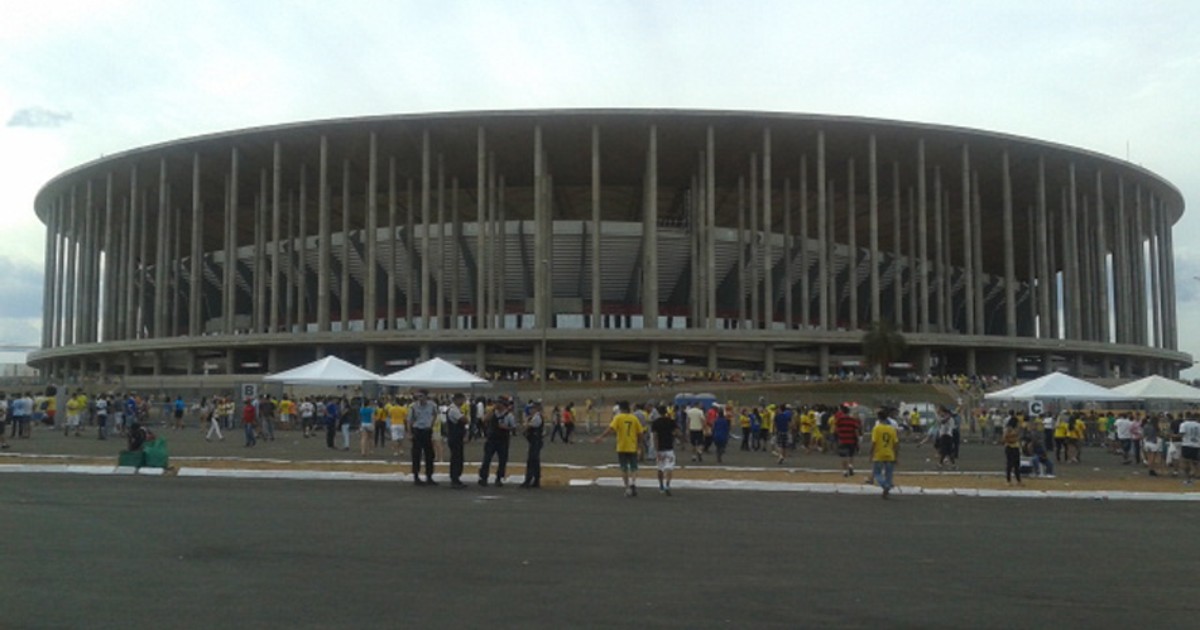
(600, 241)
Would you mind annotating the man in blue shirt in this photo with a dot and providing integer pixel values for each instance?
(421, 415)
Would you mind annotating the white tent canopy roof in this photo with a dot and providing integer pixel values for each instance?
(436, 373)
(1056, 386)
(328, 371)
(1155, 387)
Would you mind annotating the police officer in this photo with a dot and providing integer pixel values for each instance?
(456, 432)
(420, 418)
(498, 426)
(533, 433)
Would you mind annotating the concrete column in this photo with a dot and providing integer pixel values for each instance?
(939, 249)
(439, 271)
(324, 248)
(160, 273)
(1076, 294)
(971, 361)
(480, 214)
(769, 359)
(196, 257)
(277, 290)
(1010, 260)
(108, 312)
(456, 260)
(480, 359)
(370, 309)
(119, 263)
(90, 282)
(768, 314)
(652, 363)
(541, 254)
(835, 296)
(741, 253)
(229, 288)
(595, 253)
(502, 245)
(393, 246)
(1155, 275)
(302, 254)
(130, 258)
(262, 277)
(788, 248)
(710, 226)
(914, 265)
(1044, 274)
(967, 255)
(852, 241)
(344, 284)
(805, 293)
(410, 280)
(822, 244)
(755, 243)
(72, 235)
(923, 240)
(1121, 284)
(873, 226)
(897, 252)
(48, 280)
(650, 230)
(1139, 269)
(977, 254)
(712, 363)
(426, 272)
(823, 360)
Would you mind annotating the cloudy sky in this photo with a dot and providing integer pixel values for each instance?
(83, 78)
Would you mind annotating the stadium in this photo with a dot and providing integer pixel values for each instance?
(600, 242)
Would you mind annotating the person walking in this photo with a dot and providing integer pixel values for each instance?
(557, 431)
(628, 430)
(885, 451)
(720, 433)
(533, 461)
(421, 416)
(1189, 434)
(102, 416)
(665, 432)
(568, 420)
(209, 414)
(457, 426)
(849, 431)
(1012, 452)
(397, 413)
(366, 420)
(498, 427)
(332, 415)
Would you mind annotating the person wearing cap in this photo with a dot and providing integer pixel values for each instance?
(498, 427)
(421, 415)
(456, 433)
(533, 434)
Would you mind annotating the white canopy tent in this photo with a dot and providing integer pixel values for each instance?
(1056, 386)
(330, 371)
(1158, 388)
(436, 373)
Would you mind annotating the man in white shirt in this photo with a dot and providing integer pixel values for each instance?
(1189, 432)
(695, 425)
(1123, 427)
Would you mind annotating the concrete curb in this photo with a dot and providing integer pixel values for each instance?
(610, 482)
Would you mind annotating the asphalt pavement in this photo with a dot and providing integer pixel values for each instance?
(135, 552)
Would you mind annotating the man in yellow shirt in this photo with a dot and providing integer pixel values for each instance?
(397, 414)
(885, 449)
(628, 430)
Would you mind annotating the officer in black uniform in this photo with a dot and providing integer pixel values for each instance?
(456, 432)
(534, 434)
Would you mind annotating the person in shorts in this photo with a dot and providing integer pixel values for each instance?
(1189, 433)
(665, 432)
(849, 431)
(628, 430)
(695, 427)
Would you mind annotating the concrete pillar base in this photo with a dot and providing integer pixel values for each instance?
(769, 359)
(712, 358)
(480, 358)
(425, 352)
(230, 362)
(371, 359)
(596, 362)
(971, 366)
(652, 368)
(823, 361)
(924, 362)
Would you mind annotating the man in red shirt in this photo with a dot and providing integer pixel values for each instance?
(248, 419)
(848, 430)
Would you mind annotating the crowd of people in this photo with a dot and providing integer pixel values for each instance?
(435, 428)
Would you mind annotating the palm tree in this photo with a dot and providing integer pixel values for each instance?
(881, 345)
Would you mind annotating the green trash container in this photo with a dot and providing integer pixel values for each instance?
(134, 459)
(156, 453)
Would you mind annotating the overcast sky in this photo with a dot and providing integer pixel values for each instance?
(84, 78)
